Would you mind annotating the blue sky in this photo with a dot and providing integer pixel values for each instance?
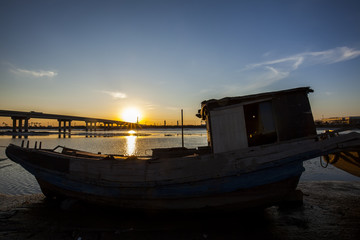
(96, 58)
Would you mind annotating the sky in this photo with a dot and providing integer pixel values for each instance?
(98, 58)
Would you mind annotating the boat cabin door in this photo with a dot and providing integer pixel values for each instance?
(242, 125)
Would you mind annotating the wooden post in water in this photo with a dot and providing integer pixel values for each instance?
(182, 129)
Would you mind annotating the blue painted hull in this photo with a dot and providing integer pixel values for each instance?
(262, 187)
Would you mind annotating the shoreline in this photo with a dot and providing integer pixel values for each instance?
(46, 131)
(330, 210)
(81, 131)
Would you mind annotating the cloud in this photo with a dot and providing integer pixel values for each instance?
(292, 62)
(150, 106)
(115, 95)
(335, 55)
(330, 56)
(275, 73)
(329, 93)
(260, 79)
(265, 73)
(32, 73)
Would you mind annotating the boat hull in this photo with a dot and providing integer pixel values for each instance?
(257, 197)
(257, 188)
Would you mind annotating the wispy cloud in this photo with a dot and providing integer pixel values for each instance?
(150, 106)
(34, 73)
(115, 95)
(329, 93)
(265, 73)
(291, 63)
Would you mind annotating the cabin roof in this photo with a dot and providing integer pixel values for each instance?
(214, 103)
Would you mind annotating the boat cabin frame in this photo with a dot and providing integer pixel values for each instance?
(239, 122)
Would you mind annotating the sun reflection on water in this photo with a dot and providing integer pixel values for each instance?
(131, 143)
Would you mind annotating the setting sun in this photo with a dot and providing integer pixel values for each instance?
(131, 115)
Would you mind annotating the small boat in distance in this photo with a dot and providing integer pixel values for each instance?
(254, 158)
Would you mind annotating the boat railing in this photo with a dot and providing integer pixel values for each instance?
(99, 155)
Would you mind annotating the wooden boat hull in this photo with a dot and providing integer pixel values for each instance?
(250, 177)
(244, 198)
(260, 187)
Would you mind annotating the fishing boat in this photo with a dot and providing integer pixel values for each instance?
(254, 158)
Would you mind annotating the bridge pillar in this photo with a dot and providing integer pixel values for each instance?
(59, 120)
(20, 125)
(14, 124)
(64, 126)
(90, 126)
(69, 126)
(26, 125)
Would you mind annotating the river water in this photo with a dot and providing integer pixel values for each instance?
(15, 180)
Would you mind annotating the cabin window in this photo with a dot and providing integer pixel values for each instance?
(260, 125)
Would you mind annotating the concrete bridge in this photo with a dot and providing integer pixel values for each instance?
(21, 120)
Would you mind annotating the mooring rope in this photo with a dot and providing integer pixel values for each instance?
(321, 162)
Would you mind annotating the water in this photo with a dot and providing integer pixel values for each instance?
(16, 181)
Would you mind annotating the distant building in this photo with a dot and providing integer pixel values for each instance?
(352, 120)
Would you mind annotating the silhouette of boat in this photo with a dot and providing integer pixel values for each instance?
(254, 158)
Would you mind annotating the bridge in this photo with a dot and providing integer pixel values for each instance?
(19, 117)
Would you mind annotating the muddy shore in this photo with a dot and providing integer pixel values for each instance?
(330, 210)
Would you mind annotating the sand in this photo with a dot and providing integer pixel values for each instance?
(330, 210)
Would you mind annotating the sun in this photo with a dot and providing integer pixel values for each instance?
(131, 115)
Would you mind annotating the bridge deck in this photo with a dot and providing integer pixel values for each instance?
(19, 116)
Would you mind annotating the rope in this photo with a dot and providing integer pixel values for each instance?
(321, 163)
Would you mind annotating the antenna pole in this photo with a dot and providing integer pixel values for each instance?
(182, 129)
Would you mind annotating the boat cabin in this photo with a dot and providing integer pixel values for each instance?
(240, 122)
